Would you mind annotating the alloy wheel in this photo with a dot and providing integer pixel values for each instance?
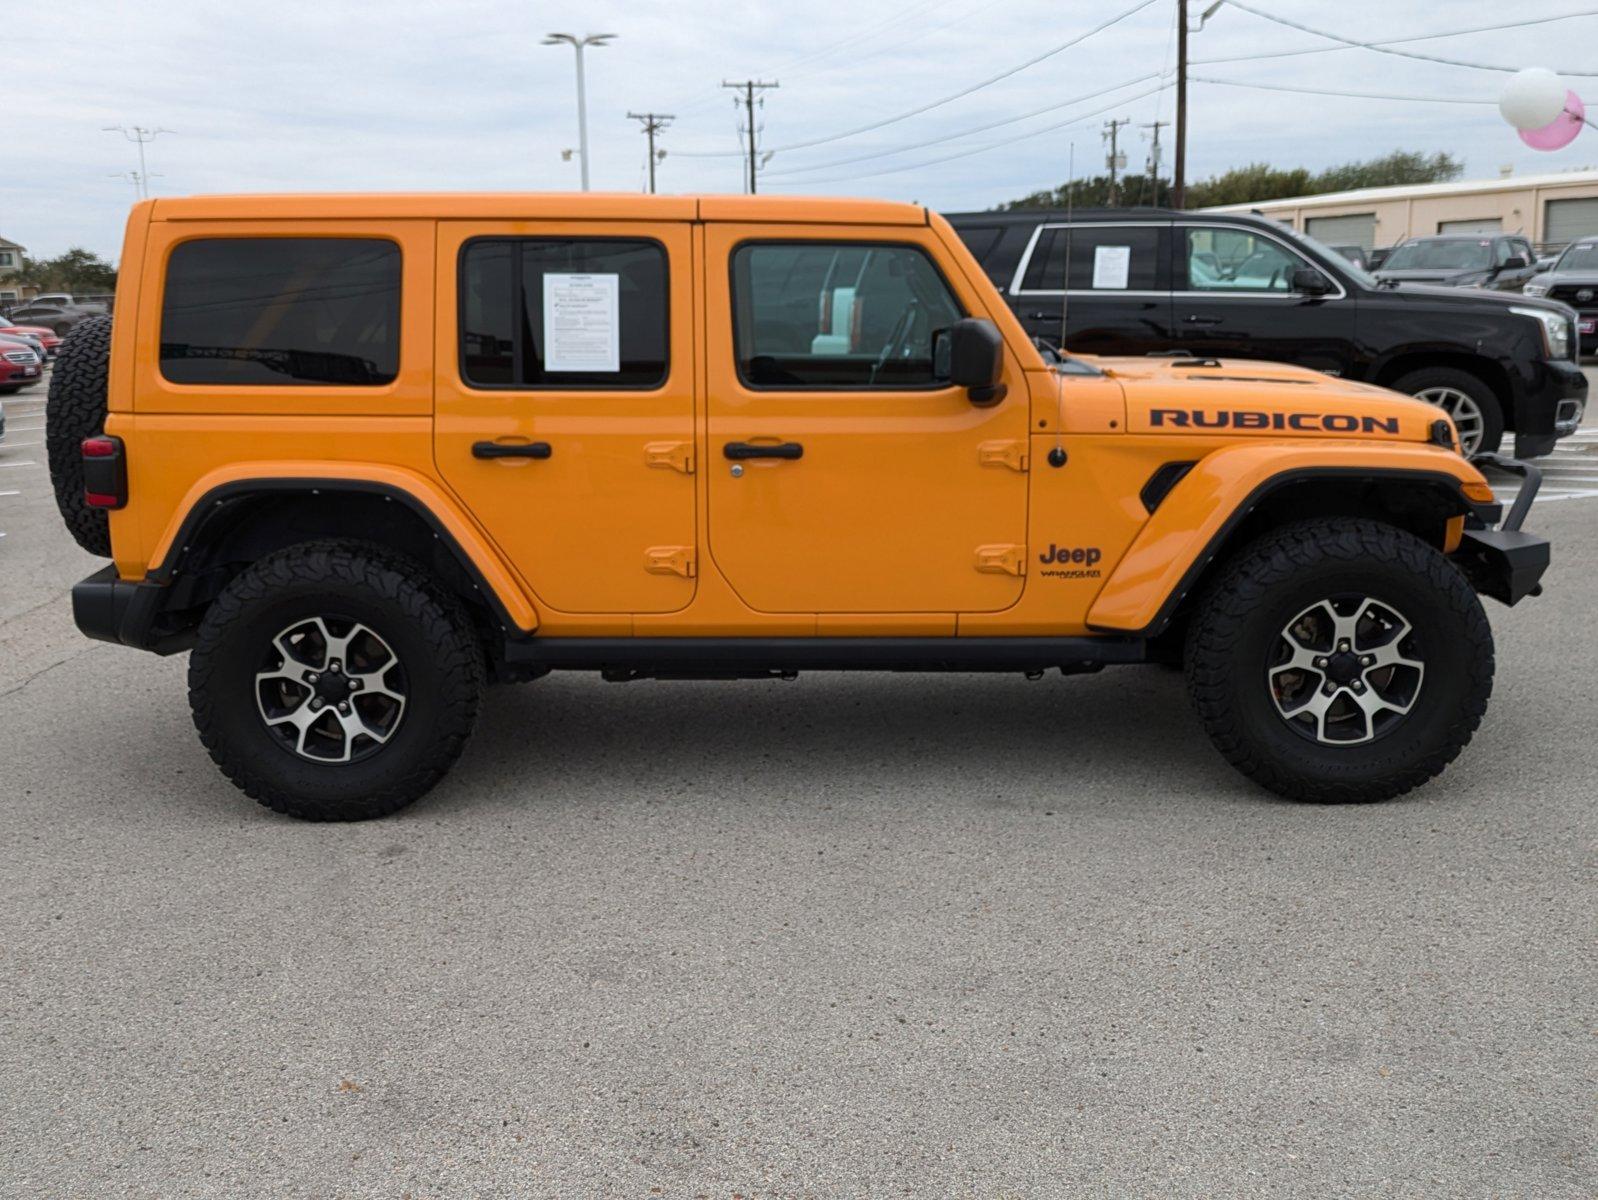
(330, 690)
(1345, 670)
(1464, 410)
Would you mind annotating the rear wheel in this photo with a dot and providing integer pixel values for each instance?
(335, 681)
(1340, 660)
(1471, 403)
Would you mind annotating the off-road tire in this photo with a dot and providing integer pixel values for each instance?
(1240, 616)
(1492, 412)
(76, 410)
(429, 632)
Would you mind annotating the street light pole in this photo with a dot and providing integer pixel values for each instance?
(1179, 173)
(578, 44)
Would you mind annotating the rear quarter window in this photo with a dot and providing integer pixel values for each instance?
(282, 311)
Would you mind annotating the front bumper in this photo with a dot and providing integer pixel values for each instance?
(108, 608)
(1549, 407)
(1506, 563)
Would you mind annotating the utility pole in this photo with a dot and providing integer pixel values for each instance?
(141, 136)
(653, 124)
(1116, 159)
(1179, 175)
(750, 87)
(1154, 161)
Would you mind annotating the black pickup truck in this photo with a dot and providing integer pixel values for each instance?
(1153, 281)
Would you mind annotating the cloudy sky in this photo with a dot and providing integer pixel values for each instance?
(285, 95)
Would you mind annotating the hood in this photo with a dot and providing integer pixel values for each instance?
(1240, 398)
(1447, 278)
(1473, 297)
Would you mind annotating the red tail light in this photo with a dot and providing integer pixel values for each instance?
(105, 472)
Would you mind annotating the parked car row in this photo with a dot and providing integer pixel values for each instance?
(57, 312)
(1146, 281)
(1572, 279)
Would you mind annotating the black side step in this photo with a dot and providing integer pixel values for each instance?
(738, 658)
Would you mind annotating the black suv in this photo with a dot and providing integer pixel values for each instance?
(1573, 280)
(1502, 262)
(1152, 281)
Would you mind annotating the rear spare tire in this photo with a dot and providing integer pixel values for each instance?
(76, 410)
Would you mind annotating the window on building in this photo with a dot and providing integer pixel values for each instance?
(282, 311)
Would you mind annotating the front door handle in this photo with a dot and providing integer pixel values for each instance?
(1195, 319)
(742, 450)
(511, 450)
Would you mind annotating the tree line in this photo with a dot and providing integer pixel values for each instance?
(1254, 183)
(78, 271)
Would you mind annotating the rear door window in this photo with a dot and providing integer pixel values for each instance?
(282, 312)
(1103, 258)
(563, 313)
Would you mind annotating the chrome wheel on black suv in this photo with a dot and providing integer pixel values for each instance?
(1340, 660)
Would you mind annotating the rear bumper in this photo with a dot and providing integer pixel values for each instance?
(110, 609)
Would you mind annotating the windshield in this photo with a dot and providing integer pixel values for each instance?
(1582, 256)
(1448, 255)
(1348, 265)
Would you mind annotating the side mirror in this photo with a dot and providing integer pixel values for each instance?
(1543, 265)
(976, 359)
(1310, 282)
(1514, 263)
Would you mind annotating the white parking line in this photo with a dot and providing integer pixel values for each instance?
(11, 493)
(20, 445)
(27, 462)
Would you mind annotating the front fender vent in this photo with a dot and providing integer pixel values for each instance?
(1162, 481)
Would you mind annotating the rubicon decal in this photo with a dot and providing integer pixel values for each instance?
(1232, 418)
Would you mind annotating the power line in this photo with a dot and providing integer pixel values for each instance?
(960, 95)
(874, 155)
(1283, 87)
(1420, 37)
(975, 150)
(1381, 48)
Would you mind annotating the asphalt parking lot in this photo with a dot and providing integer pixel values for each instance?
(847, 936)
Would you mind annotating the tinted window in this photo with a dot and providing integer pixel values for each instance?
(838, 314)
(1105, 258)
(283, 311)
(1234, 260)
(1459, 254)
(563, 312)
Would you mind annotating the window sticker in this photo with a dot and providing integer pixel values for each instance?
(1112, 266)
(582, 329)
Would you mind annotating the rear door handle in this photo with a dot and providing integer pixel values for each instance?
(741, 450)
(1195, 319)
(511, 450)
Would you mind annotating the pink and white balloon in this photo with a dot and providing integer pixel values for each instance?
(1546, 114)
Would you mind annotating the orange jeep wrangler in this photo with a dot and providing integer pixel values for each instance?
(362, 454)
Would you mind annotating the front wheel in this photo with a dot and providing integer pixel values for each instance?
(334, 681)
(1471, 404)
(1340, 660)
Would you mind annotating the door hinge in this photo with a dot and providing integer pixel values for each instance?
(679, 456)
(670, 560)
(1010, 454)
(1006, 559)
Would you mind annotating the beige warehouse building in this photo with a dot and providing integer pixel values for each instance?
(1552, 210)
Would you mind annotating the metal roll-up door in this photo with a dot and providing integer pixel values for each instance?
(1354, 229)
(1566, 220)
